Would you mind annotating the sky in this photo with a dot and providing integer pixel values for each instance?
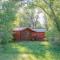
(41, 19)
(41, 16)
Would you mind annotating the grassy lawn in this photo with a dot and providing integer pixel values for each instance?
(30, 50)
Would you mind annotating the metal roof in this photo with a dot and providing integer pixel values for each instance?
(39, 30)
(17, 29)
(36, 30)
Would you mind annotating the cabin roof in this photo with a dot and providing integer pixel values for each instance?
(39, 30)
(17, 29)
(36, 30)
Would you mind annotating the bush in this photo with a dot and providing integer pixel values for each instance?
(53, 37)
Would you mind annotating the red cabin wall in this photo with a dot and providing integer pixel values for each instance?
(17, 35)
(28, 35)
(25, 35)
(38, 35)
(41, 35)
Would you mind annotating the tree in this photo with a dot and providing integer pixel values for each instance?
(51, 8)
(52, 12)
(29, 17)
(7, 16)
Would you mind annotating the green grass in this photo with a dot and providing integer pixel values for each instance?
(29, 50)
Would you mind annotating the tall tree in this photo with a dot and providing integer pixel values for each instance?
(51, 8)
(7, 16)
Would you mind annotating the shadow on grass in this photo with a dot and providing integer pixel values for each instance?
(29, 51)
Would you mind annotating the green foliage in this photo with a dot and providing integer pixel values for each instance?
(9, 10)
(53, 36)
(52, 12)
(7, 17)
(28, 18)
(30, 50)
(51, 8)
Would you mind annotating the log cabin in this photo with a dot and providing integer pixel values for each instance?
(26, 34)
